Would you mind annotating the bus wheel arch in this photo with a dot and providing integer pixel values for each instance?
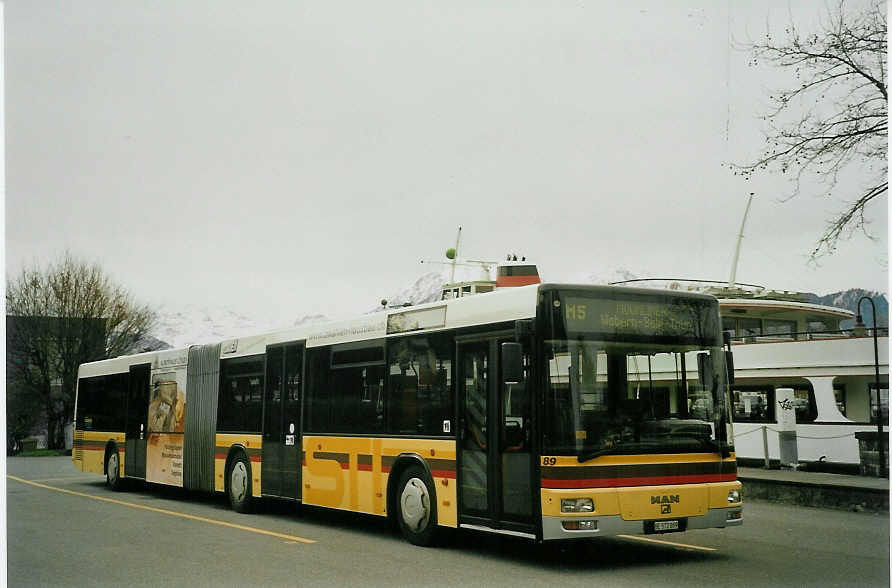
(112, 466)
(412, 499)
(238, 480)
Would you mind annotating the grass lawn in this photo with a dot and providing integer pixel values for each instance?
(42, 453)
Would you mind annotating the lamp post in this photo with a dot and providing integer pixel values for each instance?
(859, 321)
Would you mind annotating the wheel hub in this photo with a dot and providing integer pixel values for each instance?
(238, 481)
(415, 504)
(113, 466)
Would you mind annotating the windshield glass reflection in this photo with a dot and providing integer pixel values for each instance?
(614, 398)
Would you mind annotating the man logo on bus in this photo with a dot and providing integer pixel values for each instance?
(673, 499)
(665, 502)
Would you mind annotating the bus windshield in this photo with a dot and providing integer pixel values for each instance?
(633, 371)
(619, 398)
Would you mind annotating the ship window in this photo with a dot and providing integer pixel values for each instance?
(753, 404)
(729, 325)
(820, 324)
(518, 270)
(884, 401)
(806, 407)
(749, 327)
(839, 393)
(780, 328)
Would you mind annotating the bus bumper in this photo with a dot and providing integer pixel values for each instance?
(554, 527)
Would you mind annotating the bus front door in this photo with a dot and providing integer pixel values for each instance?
(280, 471)
(136, 433)
(495, 458)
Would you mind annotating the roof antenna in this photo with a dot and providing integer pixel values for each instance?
(739, 241)
(453, 255)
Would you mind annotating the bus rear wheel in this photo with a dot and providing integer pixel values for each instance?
(416, 508)
(113, 470)
(239, 484)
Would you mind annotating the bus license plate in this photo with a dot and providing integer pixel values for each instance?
(666, 525)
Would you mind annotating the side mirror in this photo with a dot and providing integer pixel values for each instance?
(512, 363)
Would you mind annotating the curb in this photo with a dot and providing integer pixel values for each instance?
(816, 495)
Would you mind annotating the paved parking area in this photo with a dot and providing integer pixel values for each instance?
(66, 528)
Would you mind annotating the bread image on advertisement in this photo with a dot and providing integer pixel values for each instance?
(166, 409)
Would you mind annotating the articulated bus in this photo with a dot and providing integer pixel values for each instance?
(544, 411)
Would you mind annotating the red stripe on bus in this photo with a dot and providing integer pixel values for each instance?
(253, 458)
(652, 481)
(443, 474)
(364, 468)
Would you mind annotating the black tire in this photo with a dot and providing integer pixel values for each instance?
(113, 470)
(238, 483)
(416, 507)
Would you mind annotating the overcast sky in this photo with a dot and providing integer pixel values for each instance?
(287, 158)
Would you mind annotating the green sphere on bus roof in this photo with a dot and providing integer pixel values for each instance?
(450, 253)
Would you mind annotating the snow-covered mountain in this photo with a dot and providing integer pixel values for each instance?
(192, 324)
(425, 289)
(615, 275)
(849, 299)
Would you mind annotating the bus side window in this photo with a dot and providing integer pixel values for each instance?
(318, 409)
(344, 383)
(241, 394)
(102, 403)
(419, 388)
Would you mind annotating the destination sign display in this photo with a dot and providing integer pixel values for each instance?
(672, 318)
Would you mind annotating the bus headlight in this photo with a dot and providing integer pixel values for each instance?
(577, 505)
(733, 496)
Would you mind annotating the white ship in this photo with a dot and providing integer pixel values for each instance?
(781, 341)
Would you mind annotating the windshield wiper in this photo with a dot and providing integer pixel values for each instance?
(593, 454)
(719, 448)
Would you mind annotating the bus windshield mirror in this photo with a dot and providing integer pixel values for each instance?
(512, 362)
(704, 370)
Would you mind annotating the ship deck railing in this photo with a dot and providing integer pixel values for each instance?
(853, 333)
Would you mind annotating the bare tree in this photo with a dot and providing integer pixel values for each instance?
(58, 317)
(840, 84)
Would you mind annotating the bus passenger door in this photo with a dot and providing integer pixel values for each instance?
(136, 433)
(495, 461)
(474, 430)
(280, 468)
(516, 459)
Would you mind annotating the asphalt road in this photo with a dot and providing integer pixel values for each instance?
(66, 528)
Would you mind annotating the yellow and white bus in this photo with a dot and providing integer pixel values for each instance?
(545, 411)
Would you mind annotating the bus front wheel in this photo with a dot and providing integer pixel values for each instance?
(113, 470)
(417, 507)
(239, 486)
